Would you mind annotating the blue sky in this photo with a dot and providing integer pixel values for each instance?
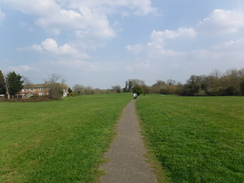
(102, 43)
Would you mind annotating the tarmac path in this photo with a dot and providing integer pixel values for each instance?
(126, 161)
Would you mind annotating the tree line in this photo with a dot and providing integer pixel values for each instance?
(230, 83)
(79, 89)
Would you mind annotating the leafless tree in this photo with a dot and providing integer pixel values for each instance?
(27, 83)
(79, 89)
(117, 89)
(55, 82)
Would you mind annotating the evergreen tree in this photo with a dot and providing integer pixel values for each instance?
(2, 84)
(14, 83)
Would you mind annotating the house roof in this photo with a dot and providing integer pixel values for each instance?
(45, 85)
(35, 86)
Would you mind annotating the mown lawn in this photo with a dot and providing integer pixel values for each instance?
(195, 139)
(58, 141)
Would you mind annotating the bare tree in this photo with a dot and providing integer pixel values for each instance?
(79, 89)
(55, 78)
(117, 88)
(56, 85)
(171, 82)
(26, 80)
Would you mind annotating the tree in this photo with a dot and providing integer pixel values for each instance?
(89, 90)
(158, 86)
(171, 82)
(216, 84)
(2, 83)
(242, 87)
(195, 85)
(117, 88)
(79, 89)
(129, 84)
(14, 83)
(70, 90)
(138, 89)
(56, 84)
(27, 82)
(146, 89)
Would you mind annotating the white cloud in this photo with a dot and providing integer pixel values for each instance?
(138, 48)
(142, 6)
(51, 46)
(79, 26)
(21, 68)
(231, 50)
(159, 38)
(81, 65)
(106, 7)
(166, 64)
(222, 22)
(25, 26)
(36, 7)
(223, 56)
(89, 18)
(164, 58)
(53, 18)
(2, 15)
(171, 34)
(157, 46)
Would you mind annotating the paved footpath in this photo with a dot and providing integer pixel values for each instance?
(126, 163)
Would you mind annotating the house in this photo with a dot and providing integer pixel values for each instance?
(40, 90)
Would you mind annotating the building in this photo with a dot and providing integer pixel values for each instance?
(40, 90)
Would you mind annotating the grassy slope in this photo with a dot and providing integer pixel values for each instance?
(59, 141)
(196, 139)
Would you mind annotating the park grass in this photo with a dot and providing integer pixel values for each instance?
(57, 141)
(195, 139)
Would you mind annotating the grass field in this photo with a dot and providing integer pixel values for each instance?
(195, 139)
(58, 141)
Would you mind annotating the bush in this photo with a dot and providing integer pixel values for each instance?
(137, 89)
(55, 92)
(242, 87)
(73, 94)
(32, 99)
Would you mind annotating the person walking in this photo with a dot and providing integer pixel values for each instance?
(135, 96)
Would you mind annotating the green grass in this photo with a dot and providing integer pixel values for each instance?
(58, 141)
(195, 139)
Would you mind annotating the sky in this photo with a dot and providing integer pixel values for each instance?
(103, 43)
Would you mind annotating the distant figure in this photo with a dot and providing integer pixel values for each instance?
(135, 96)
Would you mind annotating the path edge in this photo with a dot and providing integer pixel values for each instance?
(150, 155)
(101, 172)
